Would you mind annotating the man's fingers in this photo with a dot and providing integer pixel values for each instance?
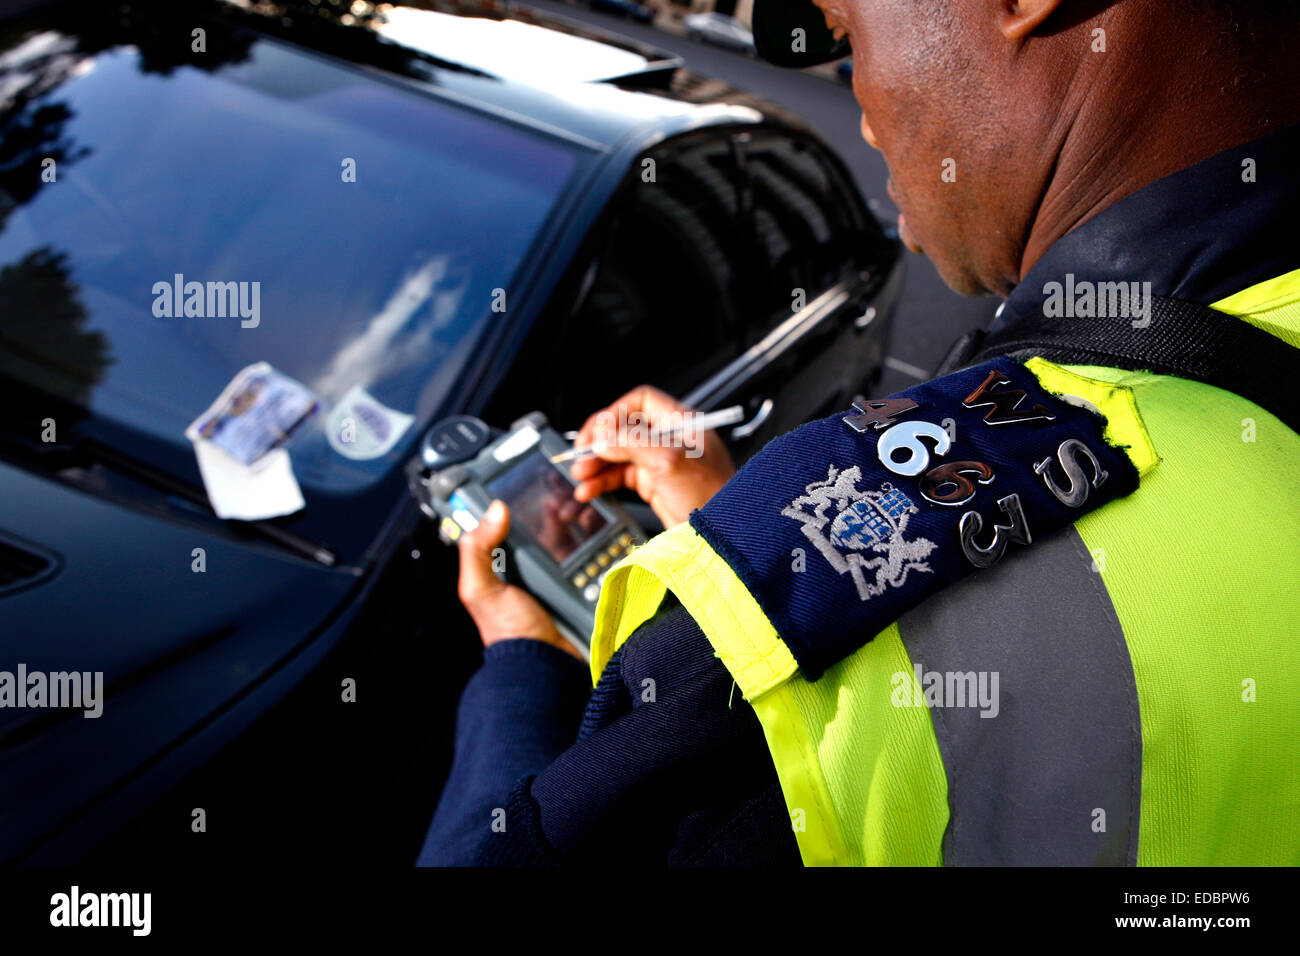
(476, 547)
(608, 449)
(610, 479)
(584, 469)
(603, 423)
(644, 399)
(598, 476)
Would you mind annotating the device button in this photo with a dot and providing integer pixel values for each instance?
(602, 559)
(625, 539)
(579, 580)
(592, 569)
(464, 518)
(614, 551)
(591, 593)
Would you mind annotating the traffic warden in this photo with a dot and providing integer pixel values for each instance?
(1040, 610)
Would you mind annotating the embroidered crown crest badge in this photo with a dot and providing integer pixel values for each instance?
(861, 533)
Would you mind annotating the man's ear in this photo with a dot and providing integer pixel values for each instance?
(1022, 17)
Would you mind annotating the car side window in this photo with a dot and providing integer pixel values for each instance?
(657, 292)
(695, 259)
(808, 226)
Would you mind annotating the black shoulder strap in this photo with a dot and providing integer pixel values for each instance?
(1183, 338)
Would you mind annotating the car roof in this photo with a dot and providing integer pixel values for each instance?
(552, 74)
(519, 50)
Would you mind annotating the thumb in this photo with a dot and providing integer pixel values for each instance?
(476, 547)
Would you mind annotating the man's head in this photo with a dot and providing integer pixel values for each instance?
(1005, 123)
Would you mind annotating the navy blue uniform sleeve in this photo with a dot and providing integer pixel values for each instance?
(669, 766)
(518, 712)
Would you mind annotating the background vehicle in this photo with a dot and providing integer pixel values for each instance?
(644, 225)
(625, 8)
(720, 29)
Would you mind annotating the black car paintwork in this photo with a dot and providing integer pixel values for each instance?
(190, 658)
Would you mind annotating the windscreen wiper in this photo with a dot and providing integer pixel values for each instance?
(85, 453)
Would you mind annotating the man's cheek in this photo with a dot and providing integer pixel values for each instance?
(867, 133)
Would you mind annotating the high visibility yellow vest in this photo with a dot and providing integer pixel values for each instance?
(1198, 573)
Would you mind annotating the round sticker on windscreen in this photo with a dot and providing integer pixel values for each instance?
(361, 428)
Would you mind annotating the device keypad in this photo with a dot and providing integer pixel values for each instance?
(589, 579)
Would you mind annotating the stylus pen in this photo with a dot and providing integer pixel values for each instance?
(699, 424)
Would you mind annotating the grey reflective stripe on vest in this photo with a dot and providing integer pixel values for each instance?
(1025, 786)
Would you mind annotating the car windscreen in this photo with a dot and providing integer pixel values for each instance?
(356, 234)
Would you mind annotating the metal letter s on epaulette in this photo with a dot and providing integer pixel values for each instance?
(1067, 454)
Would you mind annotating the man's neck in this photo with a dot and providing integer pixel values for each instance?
(1137, 120)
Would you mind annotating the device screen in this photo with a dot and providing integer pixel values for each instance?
(541, 501)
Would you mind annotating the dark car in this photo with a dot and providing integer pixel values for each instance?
(458, 215)
(625, 8)
(720, 29)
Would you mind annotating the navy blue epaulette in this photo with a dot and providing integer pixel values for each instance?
(903, 496)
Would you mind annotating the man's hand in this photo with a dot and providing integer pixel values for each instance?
(669, 480)
(500, 611)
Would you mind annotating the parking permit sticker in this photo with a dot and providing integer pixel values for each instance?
(360, 427)
(254, 414)
(247, 474)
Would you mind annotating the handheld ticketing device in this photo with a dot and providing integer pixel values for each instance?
(559, 548)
